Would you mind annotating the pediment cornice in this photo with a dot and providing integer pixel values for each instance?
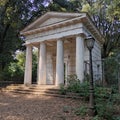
(60, 17)
(43, 24)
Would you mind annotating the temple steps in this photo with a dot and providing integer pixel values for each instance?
(47, 90)
(32, 89)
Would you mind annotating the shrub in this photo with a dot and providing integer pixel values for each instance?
(105, 110)
(81, 111)
(73, 84)
(101, 92)
(96, 118)
(84, 89)
(62, 89)
(116, 98)
(105, 98)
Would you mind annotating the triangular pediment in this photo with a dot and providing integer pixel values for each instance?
(51, 18)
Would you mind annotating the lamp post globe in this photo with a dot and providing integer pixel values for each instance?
(90, 42)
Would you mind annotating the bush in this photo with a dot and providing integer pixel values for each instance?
(116, 99)
(96, 118)
(81, 111)
(105, 98)
(104, 110)
(101, 92)
(62, 89)
(73, 84)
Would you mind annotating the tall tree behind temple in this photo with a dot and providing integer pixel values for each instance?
(105, 15)
(108, 23)
(14, 15)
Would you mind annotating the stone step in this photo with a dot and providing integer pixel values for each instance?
(52, 91)
(39, 89)
(48, 90)
(32, 87)
(47, 94)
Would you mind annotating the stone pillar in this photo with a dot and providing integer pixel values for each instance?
(80, 58)
(42, 64)
(38, 63)
(60, 63)
(28, 66)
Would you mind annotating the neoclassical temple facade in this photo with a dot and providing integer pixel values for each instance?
(60, 39)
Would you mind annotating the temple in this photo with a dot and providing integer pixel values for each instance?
(60, 39)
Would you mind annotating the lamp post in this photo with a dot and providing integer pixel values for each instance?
(90, 44)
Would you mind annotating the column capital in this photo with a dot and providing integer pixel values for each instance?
(42, 42)
(62, 39)
(27, 44)
(81, 35)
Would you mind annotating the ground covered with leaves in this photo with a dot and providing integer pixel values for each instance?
(32, 107)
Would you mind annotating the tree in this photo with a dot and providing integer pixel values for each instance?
(15, 14)
(104, 13)
(15, 69)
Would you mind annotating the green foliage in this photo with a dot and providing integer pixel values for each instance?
(73, 84)
(105, 98)
(116, 118)
(104, 103)
(65, 5)
(14, 15)
(111, 67)
(105, 110)
(101, 92)
(116, 98)
(114, 9)
(62, 89)
(96, 118)
(82, 111)
(34, 65)
(15, 70)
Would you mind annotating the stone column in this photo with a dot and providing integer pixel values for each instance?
(38, 63)
(60, 63)
(42, 64)
(80, 58)
(28, 66)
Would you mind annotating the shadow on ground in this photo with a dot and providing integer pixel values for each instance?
(33, 107)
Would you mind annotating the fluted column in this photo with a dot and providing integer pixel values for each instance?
(42, 64)
(28, 66)
(80, 58)
(60, 63)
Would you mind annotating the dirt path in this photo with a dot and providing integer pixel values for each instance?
(31, 107)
